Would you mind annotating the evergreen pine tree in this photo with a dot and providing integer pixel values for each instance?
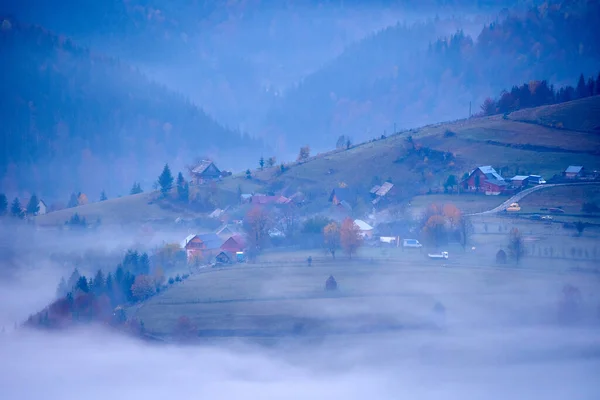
(82, 284)
(16, 209)
(591, 86)
(581, 87)
(109, 288)
(3, 204)
(62, 290)
(183, 189)
(261, 162)
(103, 196)
(73, 279)
(165, 180)
(598, 85)
(144, 264)
(248, 174)
(98, 285)
(136, 188)
(33, 207)
(73, 202)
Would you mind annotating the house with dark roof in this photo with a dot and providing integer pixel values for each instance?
(485, 179)
(574, 172)
(205, 171)
(342, 195)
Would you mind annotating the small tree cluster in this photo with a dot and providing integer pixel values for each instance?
(304, 153)
(136, 188)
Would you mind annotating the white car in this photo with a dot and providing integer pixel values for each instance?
(414, 243)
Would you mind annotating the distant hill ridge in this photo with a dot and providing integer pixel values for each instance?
(72, 120)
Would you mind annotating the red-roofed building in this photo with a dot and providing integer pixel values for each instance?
(234, 244)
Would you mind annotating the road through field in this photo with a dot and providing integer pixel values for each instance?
(519, 196)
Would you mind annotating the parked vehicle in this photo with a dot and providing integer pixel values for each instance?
(556, 210)
(437, 256)
(414, 243)
(536, 217)
(536, 179)
(514, 207)
(548, 217)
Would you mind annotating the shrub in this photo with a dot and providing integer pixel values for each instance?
(448, 133)
(501, 257)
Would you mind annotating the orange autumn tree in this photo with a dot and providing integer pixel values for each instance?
(441, 221)
(331, 235)
(350, 237)
(257, 224)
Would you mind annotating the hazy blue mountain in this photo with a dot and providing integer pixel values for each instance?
(74, 120)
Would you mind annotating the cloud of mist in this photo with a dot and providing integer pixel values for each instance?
(98, 365)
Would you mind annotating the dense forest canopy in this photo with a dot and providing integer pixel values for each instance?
(390, 79)
(75, 121)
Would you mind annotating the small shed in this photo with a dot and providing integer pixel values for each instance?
(225, 257)
(520, 180)
(573, 172)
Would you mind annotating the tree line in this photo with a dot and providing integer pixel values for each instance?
(99, 298)
(539, 93)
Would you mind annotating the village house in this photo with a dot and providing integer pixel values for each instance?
(201, 247)
(342, 198)
(366, 230)
(234, 244)
(205, 171)
(379, 192)
(574, 172)
(266, 200)
(227, 230)
(519, 181)
(486, 180)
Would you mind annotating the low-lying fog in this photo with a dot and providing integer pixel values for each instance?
(513, 360)
(94, 364)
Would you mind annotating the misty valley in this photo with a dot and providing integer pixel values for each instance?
(300, 199)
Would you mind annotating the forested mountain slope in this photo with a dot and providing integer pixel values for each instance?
(72, 120)
(393, 78)
(236, 57)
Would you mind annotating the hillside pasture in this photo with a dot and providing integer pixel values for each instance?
(569, 198)
(270, 300)
(579, 115)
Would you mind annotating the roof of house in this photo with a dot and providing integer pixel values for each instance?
(575, 169)
(384, 189)
(374, 189)
(210, 240)
(497, 182)
(216, 214)
(362, 225)
(186, 240)
(233, 228)
(519, 178)
(490, 172)
(262, 199)
(342, 194)
(202, 166)
(346, 205)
